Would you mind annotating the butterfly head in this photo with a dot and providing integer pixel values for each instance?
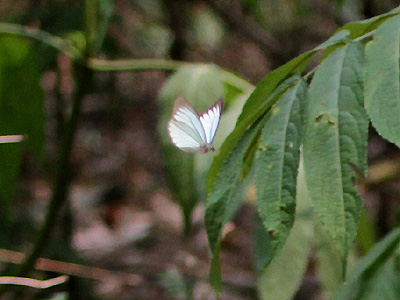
(207, 148)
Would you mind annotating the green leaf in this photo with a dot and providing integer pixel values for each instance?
(176, 285)
(105, 12)
(365, 234)
(329, 261)
(335, 140)
(223, 200)
(273, 79)
(231, 141)
(22, 110)
(235, 86)
(263, 97)
(98, 16)
(202, 86)
(377, 275)
(277, 162)
(283, 276)
(359, 28)
(382, 87)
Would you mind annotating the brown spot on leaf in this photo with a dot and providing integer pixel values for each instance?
(318, 118)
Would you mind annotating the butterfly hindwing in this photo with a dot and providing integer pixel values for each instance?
(210, 120)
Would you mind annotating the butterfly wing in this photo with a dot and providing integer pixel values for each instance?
(210, 120)
(185, 129)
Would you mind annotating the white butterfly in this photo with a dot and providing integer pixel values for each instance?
(189, 131)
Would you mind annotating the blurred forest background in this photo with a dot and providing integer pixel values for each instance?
(121, 217)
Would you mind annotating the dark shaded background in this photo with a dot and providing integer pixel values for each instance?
(122, 215)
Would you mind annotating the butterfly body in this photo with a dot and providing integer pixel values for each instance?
(189, 131)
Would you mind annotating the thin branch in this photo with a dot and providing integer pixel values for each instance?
(143, 271)
(34, 283)
(71, 269)
(11, 138)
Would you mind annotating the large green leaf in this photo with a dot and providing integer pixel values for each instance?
(382, 87)
(223, 200)
(21, 110)
(263, 97)
(277, 162)
(241, 128)
(335, 141)
(201, 85)
(377, 276)
(273, 79)
(283, 276)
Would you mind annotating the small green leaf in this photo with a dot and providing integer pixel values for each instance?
(365, 234)
(223, 200)
(105, 12)
(335, 141)
(207, 28)
(359, 28)
(277, 162)
(377, 275)
(382, 87)
(176, 286)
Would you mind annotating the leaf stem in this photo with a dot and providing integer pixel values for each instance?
(56, 42)
(136, 65)
(162, 65)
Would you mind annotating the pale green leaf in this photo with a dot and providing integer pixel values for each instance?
(277, 162)
(329, 259)
(382, 87)
(207, 28)
(283, 276)
(202, 86)
(335, 141)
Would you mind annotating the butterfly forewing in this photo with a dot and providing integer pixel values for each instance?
(210, 120)
(185, 128)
